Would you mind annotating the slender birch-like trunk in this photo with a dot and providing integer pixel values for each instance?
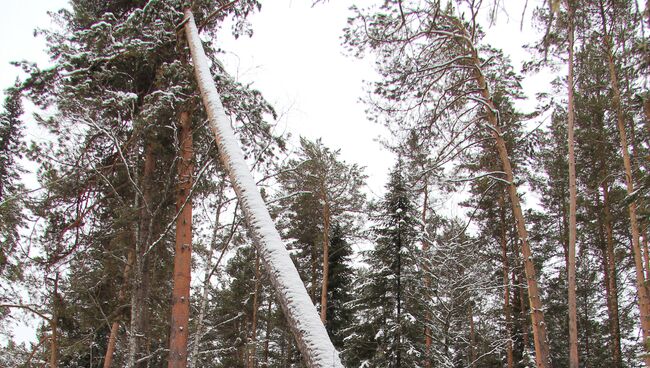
(203, 304)
(326, 256)
(308, 330)
(571, 266)
(473, 355)
(427, 277)
(252, 351)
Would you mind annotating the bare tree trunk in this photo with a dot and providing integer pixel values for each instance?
(642, 291)
(646, 103)
(611, 285)
(427, 278)
(542, 353)
(267, 339)
(571, 269)
(253, 334)
(203, 304)
(472, 338)
(506, 283)
(303, 320)
(54, 338)
(326, 257)
(183, 251)
(140, 280)
(121, 296)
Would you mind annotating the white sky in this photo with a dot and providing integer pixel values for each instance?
(296, 60)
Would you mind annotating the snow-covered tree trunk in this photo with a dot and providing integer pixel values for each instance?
(310, 334)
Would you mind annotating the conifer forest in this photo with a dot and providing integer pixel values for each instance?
(167, 217)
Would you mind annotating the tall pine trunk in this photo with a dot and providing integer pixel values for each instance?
(642, 291)
(540, 336)
(611, 287)
(427, 277)
(326, 256)
(183, 249)
(303, 320)
(54, 325)
(506, 282)
(140, 281)
(571, 269)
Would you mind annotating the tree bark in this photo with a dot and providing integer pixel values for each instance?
(303, 320)
(203, 304)
(326, 256)
(472, 338)
(253, 333)
(571, 269)
(611, 285)
(140, 280)
(267, 339)
(506, 282)
(642, 291)
(540, 336)
(427, 278)
(54, 338)
(121, 296)
(183, 249)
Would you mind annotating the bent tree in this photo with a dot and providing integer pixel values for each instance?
(308, 330)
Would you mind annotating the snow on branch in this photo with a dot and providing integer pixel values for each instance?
(310, 334)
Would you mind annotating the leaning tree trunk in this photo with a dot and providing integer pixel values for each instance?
(571, 269)
(183, 250)
(542, 353)
(642, 291)
(308, 330)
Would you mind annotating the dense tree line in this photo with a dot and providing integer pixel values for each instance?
(546, 266)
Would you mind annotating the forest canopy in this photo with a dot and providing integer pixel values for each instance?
(156, 209)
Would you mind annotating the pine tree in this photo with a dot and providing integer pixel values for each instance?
(11, 150)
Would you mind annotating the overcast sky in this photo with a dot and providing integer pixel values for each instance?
(296, 60)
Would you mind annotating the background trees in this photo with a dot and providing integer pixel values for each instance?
(437, 270)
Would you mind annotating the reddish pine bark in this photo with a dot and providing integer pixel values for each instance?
(183, 250)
